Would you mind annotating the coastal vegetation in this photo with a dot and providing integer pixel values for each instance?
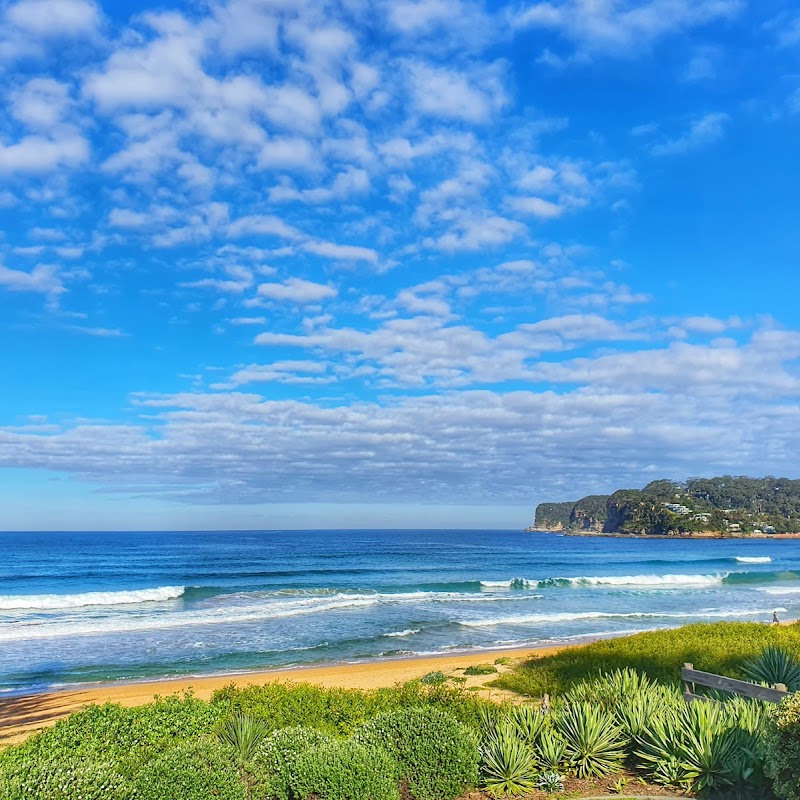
(724, 648)
(734, 505)
(616, 718)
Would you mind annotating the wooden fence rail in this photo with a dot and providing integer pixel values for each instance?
(693, 677)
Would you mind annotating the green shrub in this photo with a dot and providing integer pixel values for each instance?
(341, 712)
(270, 768)
(480, 669)
(719, 647)
(437, 756)
(196, 770)
(128, 737)
(782, 748)
(62, 779)
(594, 743)
(508, 766)
(433, 678)
(345, 770)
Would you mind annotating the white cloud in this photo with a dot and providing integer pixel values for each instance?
(36, 154)
(43, 279)
(474, 96)
(478, 232)
(536, 207)
(288, 154)
(621, 28)
(342, 252)
(54, 18)
(701, 132)
(297, 290)
(263, 225)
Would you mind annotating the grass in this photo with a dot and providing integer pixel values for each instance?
(720, 647)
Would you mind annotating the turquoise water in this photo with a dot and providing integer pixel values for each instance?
(78, 607)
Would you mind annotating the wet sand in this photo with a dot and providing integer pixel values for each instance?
(20, 716)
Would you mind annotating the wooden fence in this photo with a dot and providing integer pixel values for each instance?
(693, 677)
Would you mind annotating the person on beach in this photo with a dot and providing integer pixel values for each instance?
(775, 620)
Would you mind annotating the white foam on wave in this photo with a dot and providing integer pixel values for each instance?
(45, 602)
(120, 623)
(533, 619)
(650, 581)
(780, 590)
(641, 581)
(753, 559)
(236, 608)
(407, 632)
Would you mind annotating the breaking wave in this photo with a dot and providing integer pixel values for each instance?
(753, 559)
(658, 581)
(668, 581)
(45, 602)
(407, 632)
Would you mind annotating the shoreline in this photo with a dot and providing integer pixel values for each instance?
(24, 714)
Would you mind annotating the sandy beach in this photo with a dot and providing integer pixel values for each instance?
(24, 714)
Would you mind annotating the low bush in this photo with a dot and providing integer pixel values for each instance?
(340, 712)
(196, 770)
(128, 737)
(270, 768)
(480, 669)
(62, 779)
(782, 748)
(437, 756)
(345, 770)
(433, 678)
(720, 647)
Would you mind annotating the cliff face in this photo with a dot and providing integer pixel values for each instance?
(589, 513)
(552, 516)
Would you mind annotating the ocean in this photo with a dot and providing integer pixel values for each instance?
(86, 607)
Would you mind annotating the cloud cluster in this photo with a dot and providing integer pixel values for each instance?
(374, 244)
(614, 420)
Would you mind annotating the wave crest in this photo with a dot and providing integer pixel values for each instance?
(45, 602)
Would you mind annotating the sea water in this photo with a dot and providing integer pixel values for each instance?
(78, 607)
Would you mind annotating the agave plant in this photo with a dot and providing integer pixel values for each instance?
(508, 765)
(774, 665)
(658, 752)
(528, 723)
(243, 733)
(633, 715)
(708, 748)
(551, 751)
(488, 718)
(610, 689)
(594, 742)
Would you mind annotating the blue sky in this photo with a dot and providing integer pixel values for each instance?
(406, 263)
